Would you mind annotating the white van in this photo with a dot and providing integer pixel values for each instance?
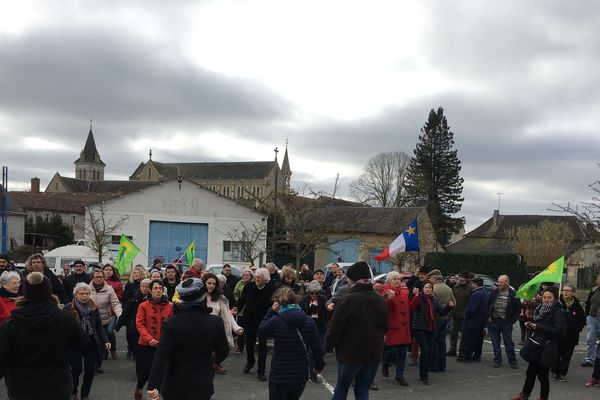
(67, 254)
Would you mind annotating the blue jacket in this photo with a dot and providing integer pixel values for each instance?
(513, 307)
(289, 363)
(477, 309)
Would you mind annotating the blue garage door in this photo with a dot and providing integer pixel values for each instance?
(169, 240)
(346, 249)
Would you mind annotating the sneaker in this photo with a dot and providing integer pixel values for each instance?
(425, 381)
(401, 381)
(562, 379)
(587, 364)
(592, 382)
(374, 387)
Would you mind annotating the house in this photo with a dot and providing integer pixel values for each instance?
(15, 222)
(490, 237)
(360, 233)
(163, 219)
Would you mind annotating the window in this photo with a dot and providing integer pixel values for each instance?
(73, 219)
(226, 191)
(239, 191)
(232, 251)
(258, 191)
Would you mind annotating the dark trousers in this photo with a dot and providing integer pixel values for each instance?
(426, 342)
(144, 357)
(565, 351)
(286, 391)
(132, 337)
(438, 355)
(533, 371)
(473, 344)
(262, 349)
(397, 352)
(89, 355)
(241, 339)
(523, 331)
(596, 372)
(457, 327)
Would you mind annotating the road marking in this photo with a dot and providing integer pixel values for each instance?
(326, 384)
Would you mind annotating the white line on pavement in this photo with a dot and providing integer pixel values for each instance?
(326, 384)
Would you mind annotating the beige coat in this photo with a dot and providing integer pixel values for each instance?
(228, 320)
(107, 301)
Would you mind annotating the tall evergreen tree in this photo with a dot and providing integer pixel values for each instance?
(433, 178)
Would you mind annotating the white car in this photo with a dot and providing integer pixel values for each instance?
(327, 268)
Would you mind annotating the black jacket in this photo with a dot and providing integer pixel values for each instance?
(358, 326)
(232, 280)
(553, 327)
(130, 309)
(289, 363)
(183, 364)
(513, 306)
(57, 286)
(321, 310)
(131, 288)
(255, 302)
(99, 333)
(170, 287)
(35, 347)
(575, 321)
(73, 279)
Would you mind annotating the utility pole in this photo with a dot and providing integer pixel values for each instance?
(273, 245)
(499, 196)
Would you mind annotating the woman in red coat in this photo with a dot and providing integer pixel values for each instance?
(397, 337)
(9, 289)
(148, 321)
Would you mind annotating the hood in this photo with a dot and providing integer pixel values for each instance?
(295, 318)
(37, 315)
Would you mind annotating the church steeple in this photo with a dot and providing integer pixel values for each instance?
(286, 172)
(89, 166)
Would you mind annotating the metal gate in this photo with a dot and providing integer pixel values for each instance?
(169, 240)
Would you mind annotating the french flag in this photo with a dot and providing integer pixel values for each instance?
(407, 241)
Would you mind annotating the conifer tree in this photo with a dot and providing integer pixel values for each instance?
(433, 178)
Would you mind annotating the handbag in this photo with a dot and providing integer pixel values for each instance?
(534, 347)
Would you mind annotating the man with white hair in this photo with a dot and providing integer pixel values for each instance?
(256, 302)
(504, 311)
(196, 268)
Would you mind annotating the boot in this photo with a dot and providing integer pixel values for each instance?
(137, 395)
(385, 370)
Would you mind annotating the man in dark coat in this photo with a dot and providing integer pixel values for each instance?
(232, 280)
(575, 317)
(504, 310)
(35, 345)
(38, 263)
(78, 275)
(462, 292)
(356, 333)
(475, 321)
(183, 364)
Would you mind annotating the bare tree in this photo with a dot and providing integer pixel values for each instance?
(588, 212)
(541, 244)
(251, 240)
(99, 228)
(382, 181)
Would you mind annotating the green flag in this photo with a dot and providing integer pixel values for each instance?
(127, 252)
(190, 253)
(553, 273)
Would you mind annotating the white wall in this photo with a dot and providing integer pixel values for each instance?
(189, 204)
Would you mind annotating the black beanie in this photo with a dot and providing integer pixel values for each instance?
(358, 271)
(37, 288)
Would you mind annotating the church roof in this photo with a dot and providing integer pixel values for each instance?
(215, 170)
(90, 152)
(285, 166)
(74, 185)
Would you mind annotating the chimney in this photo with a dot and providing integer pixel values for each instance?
(35, 185)
(495, 217)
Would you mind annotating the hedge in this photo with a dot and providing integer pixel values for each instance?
(493, 265)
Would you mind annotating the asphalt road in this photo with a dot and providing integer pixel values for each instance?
(460, 381)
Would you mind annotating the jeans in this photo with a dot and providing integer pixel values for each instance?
(426, 343)
(110, 332)
(362, 375)
(497, 327)
(90, 355)
(534, 370)
(286, 391)
(592, 335)
(399, 351)
(438, 359)
(473, 344)
(262, 350)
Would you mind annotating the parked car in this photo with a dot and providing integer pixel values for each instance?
(381, 278)
(327, 268)
(218, 268)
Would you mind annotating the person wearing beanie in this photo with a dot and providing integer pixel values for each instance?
(34, 366)
(313, 305)
(356, 332)
(191, 341)
(462, 292)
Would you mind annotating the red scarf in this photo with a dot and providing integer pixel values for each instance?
(429, 313)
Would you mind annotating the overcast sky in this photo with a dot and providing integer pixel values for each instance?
(341, 80)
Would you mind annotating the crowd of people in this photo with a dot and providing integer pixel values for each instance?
(191, 321)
